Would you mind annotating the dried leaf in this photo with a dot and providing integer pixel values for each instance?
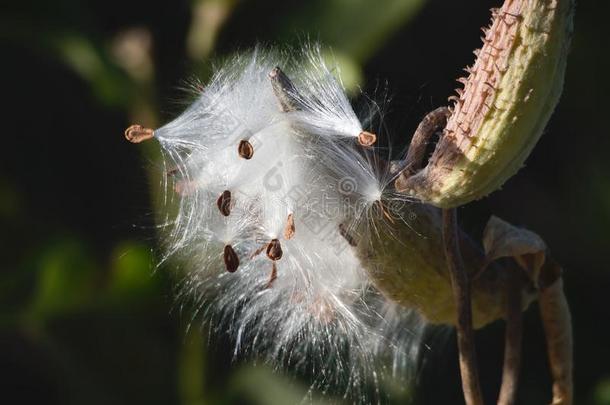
(501, 239)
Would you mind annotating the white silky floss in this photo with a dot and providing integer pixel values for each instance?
(275, 179)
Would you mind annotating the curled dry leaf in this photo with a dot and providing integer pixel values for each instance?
(501, 239)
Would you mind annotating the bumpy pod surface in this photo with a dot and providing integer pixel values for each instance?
(506, 102)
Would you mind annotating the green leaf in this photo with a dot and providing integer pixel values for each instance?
(66, 279)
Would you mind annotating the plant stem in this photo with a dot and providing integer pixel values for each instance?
(557, 323)
(461, 290)
(512, 343)
(433, 121)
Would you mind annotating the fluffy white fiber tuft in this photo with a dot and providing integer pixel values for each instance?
(273, 191)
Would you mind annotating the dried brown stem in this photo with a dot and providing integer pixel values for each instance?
(512, 342)
(463, 303)
(433, 121)
(557, 323)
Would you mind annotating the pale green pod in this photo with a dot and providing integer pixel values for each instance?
(406, 263)
(504, 107)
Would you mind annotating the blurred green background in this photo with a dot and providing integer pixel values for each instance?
(85, 315)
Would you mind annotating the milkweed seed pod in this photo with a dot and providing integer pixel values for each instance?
(507, 100)
(405, 260)
(274, 178)
(301, 243)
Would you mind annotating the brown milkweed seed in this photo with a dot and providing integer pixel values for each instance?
(245, 149)
(289, 229)
(274, 250)
(284, 90)
(137, 133)
(224, 203)
(367, 138)
(231, 259)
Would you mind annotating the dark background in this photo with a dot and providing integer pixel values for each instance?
(85, 316)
